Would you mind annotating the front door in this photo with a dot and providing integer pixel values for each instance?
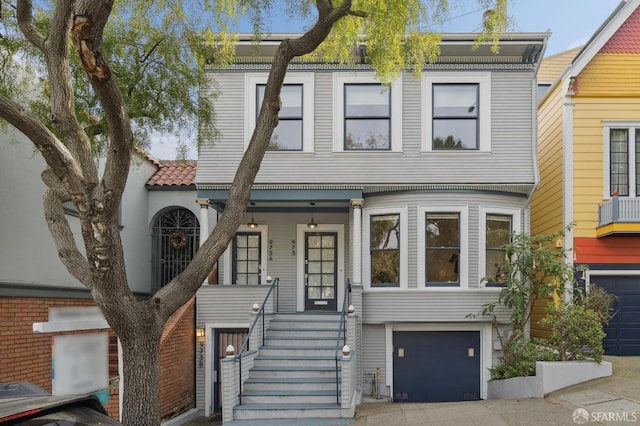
(246, 258)
(320, 271)
(223, 338)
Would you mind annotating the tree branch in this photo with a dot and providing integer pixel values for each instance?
(24, 14)
(53, 151)
(88, 25)
(180, 289)
(63, 238)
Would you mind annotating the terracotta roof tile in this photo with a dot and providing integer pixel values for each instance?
(174, 173)
(627, 38)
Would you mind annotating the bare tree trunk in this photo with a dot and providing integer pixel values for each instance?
(140, 402)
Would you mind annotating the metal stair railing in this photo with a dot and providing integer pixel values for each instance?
(259, 315)
(342, 331)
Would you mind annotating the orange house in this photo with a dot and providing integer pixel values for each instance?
(589, 159)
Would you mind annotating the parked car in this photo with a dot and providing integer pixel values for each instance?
(24, 403)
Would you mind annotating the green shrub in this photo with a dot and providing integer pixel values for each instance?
(525, 352)
(576, 332)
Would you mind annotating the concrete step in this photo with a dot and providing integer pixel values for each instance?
(329, 421)
(286, 411)
(298, 350)
(329, 333)
(308, 316)
(293, 372)
(306, 383)
(310, 360)
(289, 397)
(305, 323)
(299, 341)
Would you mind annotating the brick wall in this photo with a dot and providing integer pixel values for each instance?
(25, 356)
(177, 363)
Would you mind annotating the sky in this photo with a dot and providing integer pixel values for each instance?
(571, 23)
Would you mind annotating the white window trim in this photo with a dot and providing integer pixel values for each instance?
(484, 134)
(516, 226)
(404, 246)
(463, 272)
(264, 253)
(308, 84)
(606, 155)
(339, 80)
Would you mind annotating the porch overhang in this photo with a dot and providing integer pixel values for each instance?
(286, 194)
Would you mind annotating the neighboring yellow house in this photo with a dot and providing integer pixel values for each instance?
(589, 158)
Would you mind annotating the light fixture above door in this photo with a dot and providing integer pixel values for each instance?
(312, 224)
(252, 224)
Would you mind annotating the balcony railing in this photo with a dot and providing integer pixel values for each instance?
(619, 215)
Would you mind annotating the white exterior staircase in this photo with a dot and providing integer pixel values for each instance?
(294, 372)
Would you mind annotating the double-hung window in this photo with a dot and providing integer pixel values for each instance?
(455, 116)
(443, 246)
(385, 250)
(456, 112)
(442, 251)
(295, 129)
(367, 117)
(497, 225)
(287, 136)
(622, 159)
(498, 232)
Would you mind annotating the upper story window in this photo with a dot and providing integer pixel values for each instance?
(456, 111)
(622, 159)
(367, 117)
(496, 227)
(295, 129)
(455, 116)
(367, 114)
(287, 136)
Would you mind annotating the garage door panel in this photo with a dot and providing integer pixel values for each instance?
(623, 331)
(434, 366)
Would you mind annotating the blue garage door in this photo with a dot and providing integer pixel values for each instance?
(436, 366)
(623, 330)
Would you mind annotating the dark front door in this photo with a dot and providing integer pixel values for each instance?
(623, 331)
(436, 366)
(224, 338)
(320, 271)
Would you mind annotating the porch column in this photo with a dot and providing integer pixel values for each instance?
(204, 219)
(204, 223)
(357, 240)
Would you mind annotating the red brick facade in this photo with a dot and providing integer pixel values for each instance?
(26, 356)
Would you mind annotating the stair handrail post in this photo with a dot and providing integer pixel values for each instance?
(342, 330)
(246, 339)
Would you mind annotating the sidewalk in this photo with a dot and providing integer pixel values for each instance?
(611, 401)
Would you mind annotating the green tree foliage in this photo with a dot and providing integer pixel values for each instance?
(533, 269)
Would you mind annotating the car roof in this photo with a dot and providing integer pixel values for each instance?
(24, 407)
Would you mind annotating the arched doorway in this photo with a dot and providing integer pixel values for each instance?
(175, 239)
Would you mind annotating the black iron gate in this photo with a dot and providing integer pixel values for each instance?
(175, 240)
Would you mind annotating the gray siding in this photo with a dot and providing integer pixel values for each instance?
(373, 356)
(510, 161)
(227, 304)
(427, 305)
